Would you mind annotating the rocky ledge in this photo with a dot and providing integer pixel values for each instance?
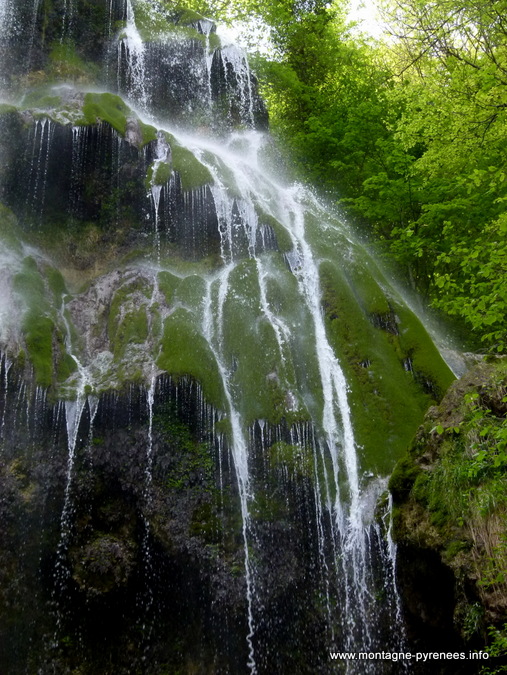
(449, 517)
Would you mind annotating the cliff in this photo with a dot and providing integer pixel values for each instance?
(450, 515)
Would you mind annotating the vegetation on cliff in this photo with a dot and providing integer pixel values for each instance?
(450, 496)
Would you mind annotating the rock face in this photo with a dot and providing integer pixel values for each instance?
(449, 515)
(205, 377)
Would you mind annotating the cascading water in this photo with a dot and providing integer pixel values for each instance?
(215, 366)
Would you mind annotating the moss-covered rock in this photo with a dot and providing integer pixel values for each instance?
(185, 352)
(450, 502)
(193, 173)
(108, 108)
(388, 396)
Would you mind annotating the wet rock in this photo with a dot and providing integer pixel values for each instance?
(103, 565)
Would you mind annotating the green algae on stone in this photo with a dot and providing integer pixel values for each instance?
(193, 174)
(148, 132)
(108, 108)
(184, 351)
(386, 400)
(250, 348)
(42, 336)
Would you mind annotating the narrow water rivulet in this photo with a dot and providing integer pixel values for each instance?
(204, 380)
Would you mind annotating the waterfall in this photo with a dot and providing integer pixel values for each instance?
(205, 377)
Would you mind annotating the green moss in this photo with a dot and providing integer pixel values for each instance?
(387, 400)
(298, 460)
(38, 334)
(29, 284)
(149, 133)
(190, 292)
(158, 173)
(426, 360)
(56, 282)
(403, 477)
(185, 352)
(65, 64)
(386, 403)
(6, 109)
(66, 367)
(250, 347)
(107, 107)
(283, 238)
(192, 173)
(162, 174)
(167, 284)
(43, 338)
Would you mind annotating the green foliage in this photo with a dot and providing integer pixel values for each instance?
(497, 648)
(410, 136)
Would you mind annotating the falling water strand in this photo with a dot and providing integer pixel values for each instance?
(73, 412)
(6, 367)
(214, 337)
(234, 59)
(132, 46)
(402, 637)
(148, 592)
(68, 19)
(162, 156)
(205, 27)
